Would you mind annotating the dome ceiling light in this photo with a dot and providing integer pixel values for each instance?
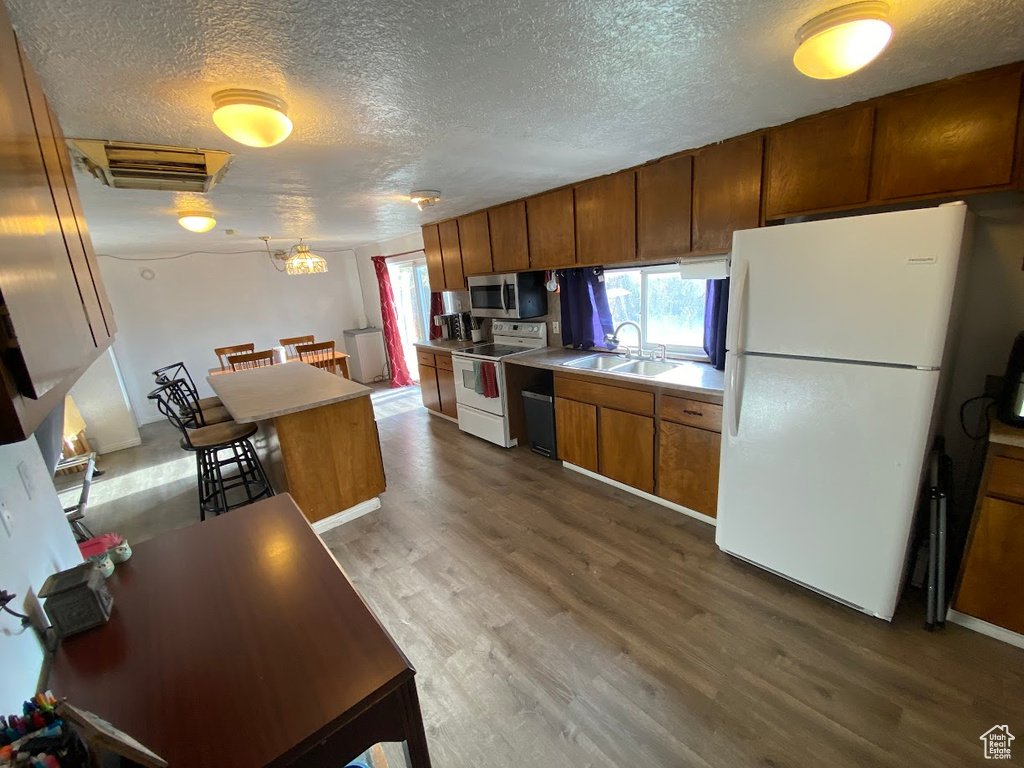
(424, 198)
(196, 221)
(841, 41)
(253, 118)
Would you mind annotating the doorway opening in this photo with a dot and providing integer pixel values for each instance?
(411, 287)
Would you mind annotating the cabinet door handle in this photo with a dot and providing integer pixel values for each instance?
(692, 413)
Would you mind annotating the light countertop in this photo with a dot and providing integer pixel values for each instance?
(1005, 434)
(260, 394)
(688, 377)
(445, 345)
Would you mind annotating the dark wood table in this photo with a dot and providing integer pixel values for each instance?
(240, 642)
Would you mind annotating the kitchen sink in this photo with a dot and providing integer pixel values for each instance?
(597, 362)
(648, 368)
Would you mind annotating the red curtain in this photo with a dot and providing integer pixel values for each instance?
(392, 338)
(436, 308)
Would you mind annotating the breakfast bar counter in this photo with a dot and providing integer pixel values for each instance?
(318, 437)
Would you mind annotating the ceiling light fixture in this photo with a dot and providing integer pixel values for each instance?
(841, 41)
(196, 221)
(253, 118)
(424, 198)
(303, 262)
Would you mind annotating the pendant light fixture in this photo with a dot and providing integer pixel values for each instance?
(303, 262)
(253, 118)
(841, 41)
(196, 221)
(424, 198)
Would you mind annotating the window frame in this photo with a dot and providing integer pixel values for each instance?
(675, 351)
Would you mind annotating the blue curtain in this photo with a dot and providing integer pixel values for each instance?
(716, 305)
(586, 316)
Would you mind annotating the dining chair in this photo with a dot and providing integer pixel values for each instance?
(291, 344)
(223, 353)
(319, 355)
(251, 360)
(179, 371)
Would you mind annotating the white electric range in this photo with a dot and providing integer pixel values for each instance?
(487, 417)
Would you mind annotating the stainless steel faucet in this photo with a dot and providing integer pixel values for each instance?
(613, 338)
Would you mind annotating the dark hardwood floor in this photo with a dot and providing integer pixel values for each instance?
(557, 621)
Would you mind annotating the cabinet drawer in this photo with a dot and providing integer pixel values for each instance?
(443, 362)
(630, 400)
(692, 412)
(1006, 478)
(425, 358)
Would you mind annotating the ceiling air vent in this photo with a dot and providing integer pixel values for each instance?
(151, 166)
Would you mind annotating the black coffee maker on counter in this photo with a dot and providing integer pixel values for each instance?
(1010, 409)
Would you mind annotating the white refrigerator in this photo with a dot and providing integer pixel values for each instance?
(838, 344)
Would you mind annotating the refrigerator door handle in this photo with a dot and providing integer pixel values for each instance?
(738, 311)
(732, 394)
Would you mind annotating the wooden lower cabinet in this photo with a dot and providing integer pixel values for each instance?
(990, 586)
(626, 448)
(428, 388)
(576, 428)
(446, 392)
(688, 463)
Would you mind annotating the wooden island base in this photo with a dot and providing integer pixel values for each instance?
(318, 437)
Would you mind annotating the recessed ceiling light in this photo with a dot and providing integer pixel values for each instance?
(841, 41)
(196, 221)
(424, 198)
(253, 118)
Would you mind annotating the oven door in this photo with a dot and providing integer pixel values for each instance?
(465, 386)
(489, 296)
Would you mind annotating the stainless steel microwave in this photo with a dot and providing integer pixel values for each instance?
(517, 296)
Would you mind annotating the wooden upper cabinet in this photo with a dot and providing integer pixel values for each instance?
(52, 148)
(38, 283)
(726, 192)
(606, 219)
(432, 250)
(663, 208)
(510, 249)
(551, 227)
(83, 230)
(451, 254)
(475, 240)
(819, 163)
(956, 136)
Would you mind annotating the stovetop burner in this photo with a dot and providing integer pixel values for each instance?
(491, 350)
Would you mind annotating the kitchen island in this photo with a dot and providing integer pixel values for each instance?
(318, 437)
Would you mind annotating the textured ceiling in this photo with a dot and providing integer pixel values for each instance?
(486, 101)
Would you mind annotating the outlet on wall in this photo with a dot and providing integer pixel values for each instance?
(554, 326)
(6, 519)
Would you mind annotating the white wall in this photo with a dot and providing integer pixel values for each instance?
(199, 302)
(993, 315)
(102, 400)
(41, 544)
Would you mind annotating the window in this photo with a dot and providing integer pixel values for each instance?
(411, 287)
(668, 309)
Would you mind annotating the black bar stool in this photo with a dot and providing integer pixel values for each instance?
(209, 443)
(194, 411)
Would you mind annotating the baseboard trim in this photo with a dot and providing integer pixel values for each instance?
(347, 515)
(129, 443)
(642, 494)
(985, 628)
(444, 416)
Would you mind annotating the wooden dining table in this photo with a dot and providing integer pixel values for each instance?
(240, 642)
(340, 359)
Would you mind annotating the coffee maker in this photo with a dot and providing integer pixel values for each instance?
(457, 326)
